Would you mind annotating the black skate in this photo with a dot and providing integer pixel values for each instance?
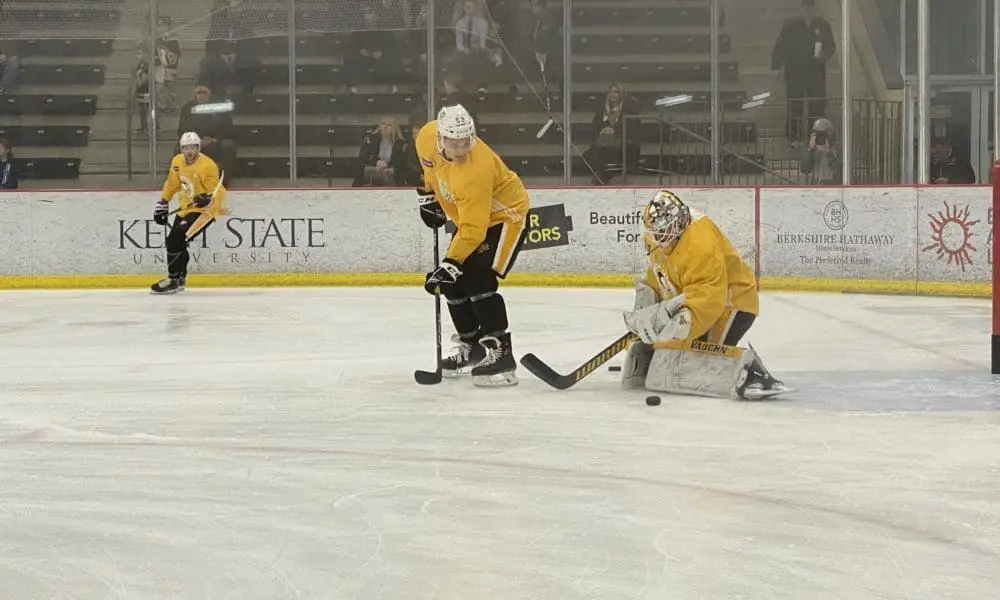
(170, 285)
(757, 383)
(468, 354)
(497, 368)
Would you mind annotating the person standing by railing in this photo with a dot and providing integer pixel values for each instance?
(800, 54)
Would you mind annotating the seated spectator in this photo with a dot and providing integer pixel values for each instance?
(611, 136)
(411, 174)
(471, 53)
(454, 93)
(218, 70)
(372, 56)
(947, 167)
(822, 163)
(141, 86)
(213, 125)
(10, 68)
(8, 167)
(381, 155)
(217, 124)
(231, 35)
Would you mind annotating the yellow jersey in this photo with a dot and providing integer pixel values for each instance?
(705, 267)
(199, 177)
(476, 193)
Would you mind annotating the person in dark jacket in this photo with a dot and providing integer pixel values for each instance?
(381, 155)
(411, 174)
(947, 168)
(611, 135)
(8, 168)
(800, 54)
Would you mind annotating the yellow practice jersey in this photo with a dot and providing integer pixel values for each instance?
(704, 266)
(476, 193)
(199, 177)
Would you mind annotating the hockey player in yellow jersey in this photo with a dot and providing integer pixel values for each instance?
(696, 302)
(465, 181)
(196, 180)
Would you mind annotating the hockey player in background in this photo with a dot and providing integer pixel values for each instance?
(196, 178)
(465, 181)
(698, 300)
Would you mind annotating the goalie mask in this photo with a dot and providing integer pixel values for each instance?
(665, 218)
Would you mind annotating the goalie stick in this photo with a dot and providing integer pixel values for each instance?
(561, 382)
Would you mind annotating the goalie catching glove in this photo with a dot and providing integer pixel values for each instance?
(431, 212)
(444, 276)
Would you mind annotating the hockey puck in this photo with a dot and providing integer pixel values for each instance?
(653, 400)
(614, 368)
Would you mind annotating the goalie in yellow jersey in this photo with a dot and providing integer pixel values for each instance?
(196, 179)
(697, 301)
(466, 181)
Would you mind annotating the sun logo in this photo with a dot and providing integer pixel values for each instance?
(951, 235)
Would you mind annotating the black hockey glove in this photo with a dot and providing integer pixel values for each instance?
(431, 212)
(202, 200)
(443, 277)
(161, 212)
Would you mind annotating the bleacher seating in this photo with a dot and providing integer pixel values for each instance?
(654, 49)
(47, 148)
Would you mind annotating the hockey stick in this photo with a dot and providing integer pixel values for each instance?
(433, 377)
(561, 382)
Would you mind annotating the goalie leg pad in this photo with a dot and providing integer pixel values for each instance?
(693, 372)
(636, 365)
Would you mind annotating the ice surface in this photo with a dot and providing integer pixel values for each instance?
(271, 444)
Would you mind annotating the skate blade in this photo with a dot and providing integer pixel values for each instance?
(497, 380)
(753, 395)
(166, 293)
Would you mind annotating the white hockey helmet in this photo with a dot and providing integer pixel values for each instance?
(665, 219)
(190, 138)
(455, 123)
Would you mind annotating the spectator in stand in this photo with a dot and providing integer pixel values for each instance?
(454, 93)
(800, 54)
(10, 68)
(212, 121)
(373, 55)
(612, 136)
(232, 36)
(8, 166)
(947, 167)
(410, 174)
(141, 73)
(381, 155)
(822, 163)
(168, 56)
(471, 53)
(218, 70)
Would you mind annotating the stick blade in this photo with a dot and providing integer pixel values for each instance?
(544, 372)
(427, 377)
